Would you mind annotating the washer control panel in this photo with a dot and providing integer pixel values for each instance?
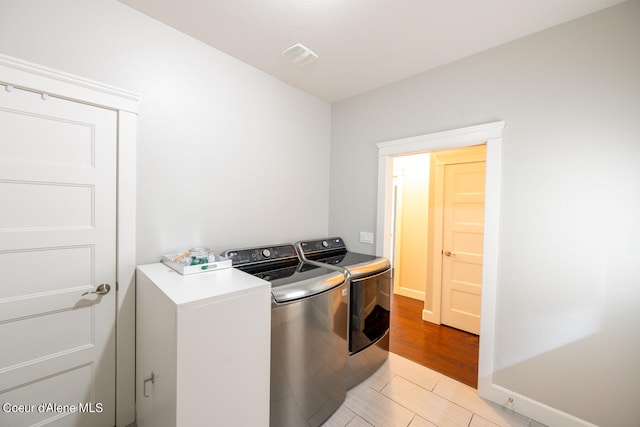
(261, 254)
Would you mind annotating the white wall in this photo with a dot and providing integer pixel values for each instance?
(222, 147)
(568, 293)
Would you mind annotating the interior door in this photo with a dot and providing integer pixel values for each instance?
(57, 242)
(463, 229)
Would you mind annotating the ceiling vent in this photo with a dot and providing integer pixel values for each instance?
(299, 54)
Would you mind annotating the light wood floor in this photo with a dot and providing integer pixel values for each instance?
(450, 351)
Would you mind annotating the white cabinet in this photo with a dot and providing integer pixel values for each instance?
(206, 338)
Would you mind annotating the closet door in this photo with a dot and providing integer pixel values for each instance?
(57, 261)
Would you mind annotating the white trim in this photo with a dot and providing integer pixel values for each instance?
(126, 265)
(385, 199)
(430, 316)
(463, 137)
(491, 134)
(26, 75)
(435, 314)
(532, 408)
(409, 293)
(33, 77)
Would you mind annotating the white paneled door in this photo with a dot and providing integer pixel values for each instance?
(57, 246)
(462, 239)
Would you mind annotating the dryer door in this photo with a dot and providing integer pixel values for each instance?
(369, 310)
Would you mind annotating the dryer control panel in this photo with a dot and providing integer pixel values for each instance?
(323, 245)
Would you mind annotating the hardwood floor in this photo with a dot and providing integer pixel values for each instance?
(449, 351)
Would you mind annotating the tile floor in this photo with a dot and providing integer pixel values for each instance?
(404, 393)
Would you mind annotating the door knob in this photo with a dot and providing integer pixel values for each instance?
(448, 253)
(102, 289)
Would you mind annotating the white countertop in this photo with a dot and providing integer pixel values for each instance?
(206, 287)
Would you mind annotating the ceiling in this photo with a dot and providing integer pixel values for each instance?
(362, 44)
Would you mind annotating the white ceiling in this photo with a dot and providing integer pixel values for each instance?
(362, 44)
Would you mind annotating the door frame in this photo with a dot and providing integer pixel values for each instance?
(24, 75)
(396, 226)
(491, 135)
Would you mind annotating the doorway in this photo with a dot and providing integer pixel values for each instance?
(489, 134)
(438, 223)
(438, 220)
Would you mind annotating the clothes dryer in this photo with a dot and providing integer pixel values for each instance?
(370, 290)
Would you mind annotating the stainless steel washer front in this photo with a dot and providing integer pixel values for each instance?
(308, 358)
(308, 334)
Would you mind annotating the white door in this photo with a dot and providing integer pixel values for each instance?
(463, 228)
(57, 241)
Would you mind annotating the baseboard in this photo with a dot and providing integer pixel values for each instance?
(409, 293)
(528, 407)
(430, 316)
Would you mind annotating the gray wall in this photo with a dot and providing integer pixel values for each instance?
(221, 145)
(568, 292)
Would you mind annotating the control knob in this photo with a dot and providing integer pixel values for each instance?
(266, 253)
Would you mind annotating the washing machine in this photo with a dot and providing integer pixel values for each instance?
(308, 333)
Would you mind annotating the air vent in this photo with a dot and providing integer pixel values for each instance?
(299, 54)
